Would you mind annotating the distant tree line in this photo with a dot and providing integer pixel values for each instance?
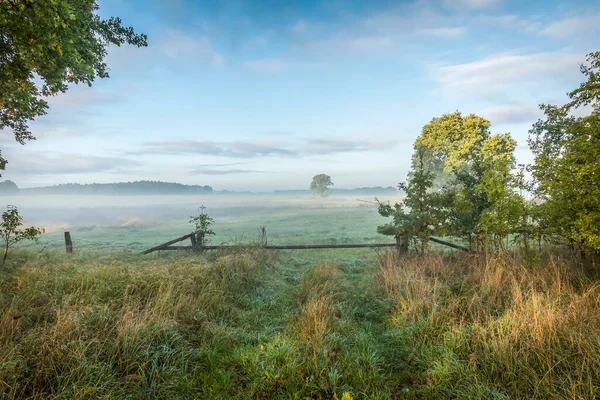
(121, 188)
(158, 187)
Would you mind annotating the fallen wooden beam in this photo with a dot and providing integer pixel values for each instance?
(454, 246)
(290, 247)
(162, 246)
(167, 246)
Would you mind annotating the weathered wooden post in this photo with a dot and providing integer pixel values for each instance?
(402, 243)
(200, 241)
(262, 232)
(68, 242)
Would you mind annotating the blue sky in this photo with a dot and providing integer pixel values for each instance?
(262, 95)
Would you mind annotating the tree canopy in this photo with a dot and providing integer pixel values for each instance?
(44, 47)
(481, 196)
(320, 185)
(566, 171)
(475, 200)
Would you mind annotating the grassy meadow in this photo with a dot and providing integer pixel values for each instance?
(108, 323)
(134, 223)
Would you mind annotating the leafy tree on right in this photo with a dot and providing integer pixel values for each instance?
(566, 170)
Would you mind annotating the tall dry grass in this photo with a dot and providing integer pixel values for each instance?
(497, 325)
(321, 290)
(104, 329)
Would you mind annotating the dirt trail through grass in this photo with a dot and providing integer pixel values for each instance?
(329, 327)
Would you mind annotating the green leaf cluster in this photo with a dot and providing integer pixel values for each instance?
(44, 47)
(202, 228)
(566, 171)
(475, 200)
(10, 231)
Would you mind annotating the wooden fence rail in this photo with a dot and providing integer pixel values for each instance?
(162, 246)
(168, 245)
(288, 247)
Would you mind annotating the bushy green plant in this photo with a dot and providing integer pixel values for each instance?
(419, 215)
(202, 228)
(11, 233)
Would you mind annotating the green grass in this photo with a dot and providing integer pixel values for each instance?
(108, 323)
(286, 223)
(292, 325)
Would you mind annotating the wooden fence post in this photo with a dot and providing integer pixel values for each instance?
(402, 243)
(200, 241)
(68, 242)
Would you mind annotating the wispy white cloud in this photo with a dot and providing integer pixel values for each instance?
(249, 150)
(379, 32)
(511, 113)
(589, 24)
(230, 171)
(178, 45)
(510, 21)
(235, 149)
(60, 163)
(497, 72)
(471, 4)
(346, 44)
(332, 146)
(267, 65)
(83, 96)
(450, 32)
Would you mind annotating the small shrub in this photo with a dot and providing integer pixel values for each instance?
(202, 228)
(10, 232)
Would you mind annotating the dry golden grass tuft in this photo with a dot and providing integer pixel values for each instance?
(316, 319)
(498, 320)
(322, 279)
(321, 292)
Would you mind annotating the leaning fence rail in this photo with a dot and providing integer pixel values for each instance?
(168, 245)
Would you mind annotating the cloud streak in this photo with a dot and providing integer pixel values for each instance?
(492, 75)
(573, 26)
(250, 150)
(511, 114)
(333, 146)
(58, 163)
(236, 149)
(231, 171)
(179, 46)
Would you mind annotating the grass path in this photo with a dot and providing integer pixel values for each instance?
(350, 351)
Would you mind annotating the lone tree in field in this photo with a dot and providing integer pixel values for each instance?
(44, 47)
(320, 185)
(10, 232)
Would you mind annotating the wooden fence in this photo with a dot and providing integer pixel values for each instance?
(169, 245)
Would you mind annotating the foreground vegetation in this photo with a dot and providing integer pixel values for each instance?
(268, 325)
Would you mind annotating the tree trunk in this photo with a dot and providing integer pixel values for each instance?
(402, 243)
(5, 254)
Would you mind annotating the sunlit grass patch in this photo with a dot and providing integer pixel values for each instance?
(514, 330)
